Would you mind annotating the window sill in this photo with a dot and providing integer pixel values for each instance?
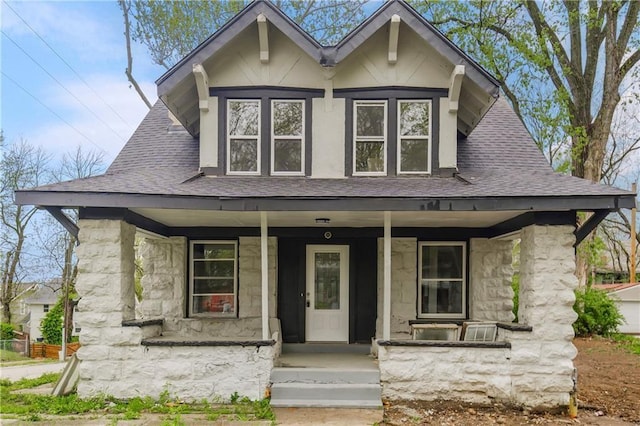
(160, 341)
(444, 344)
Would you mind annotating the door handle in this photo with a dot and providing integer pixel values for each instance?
(308, 304)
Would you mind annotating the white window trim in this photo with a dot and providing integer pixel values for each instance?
(258, 139)
(234, 314)
(301, 138)
(428, 138)
(462, 315)
(355, 137)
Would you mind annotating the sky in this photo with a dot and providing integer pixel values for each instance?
(63, 83)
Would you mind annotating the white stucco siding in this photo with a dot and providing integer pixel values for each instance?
(418, 64)
(448, 136)
(238, 63)
(37, 314)
(209, 135)
(328, 141)
(630, 310)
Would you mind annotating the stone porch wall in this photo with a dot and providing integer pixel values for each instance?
(536, 370)
(164, 289)
(404, 270)
(490, 272)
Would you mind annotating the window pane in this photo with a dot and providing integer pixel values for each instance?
(369, 156)
(205, 286)
(244, 117)
(414, 119)
(442, 262)
(370, 120)
(327, 288)
(287, 155)
(243, 155)
(414, 155)
(214, 268)
(214, 251)
(222, 304)
(287, 118)
(441, 297)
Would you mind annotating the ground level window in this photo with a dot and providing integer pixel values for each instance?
(214, 283)
(441, 288)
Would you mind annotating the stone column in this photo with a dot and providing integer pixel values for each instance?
(163, 282)
(542, 360)
(105, 286)
(490, 272)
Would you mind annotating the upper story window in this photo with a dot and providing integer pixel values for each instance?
(243, 137)
(392, 130)
(370, 138)
(442, 290)
(414, 136)
(287, 137)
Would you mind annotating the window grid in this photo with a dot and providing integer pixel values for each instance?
(462, 280)
(193, 277)
(256, 137)
(299, 138)
(401, 138)
(364, 139)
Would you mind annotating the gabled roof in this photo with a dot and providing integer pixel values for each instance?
(180, 76)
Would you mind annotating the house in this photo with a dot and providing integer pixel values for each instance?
(299, 197)
(627, 298)
(36, 306)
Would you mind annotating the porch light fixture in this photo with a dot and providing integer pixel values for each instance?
(323, 220)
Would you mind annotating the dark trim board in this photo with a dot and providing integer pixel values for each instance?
(64, 199)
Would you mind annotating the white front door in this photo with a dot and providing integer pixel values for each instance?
(327, 308)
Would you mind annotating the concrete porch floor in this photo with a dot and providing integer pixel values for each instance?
(347, 361)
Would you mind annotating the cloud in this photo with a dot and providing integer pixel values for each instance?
(108, 133)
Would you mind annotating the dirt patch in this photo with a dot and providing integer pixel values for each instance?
(608, 395)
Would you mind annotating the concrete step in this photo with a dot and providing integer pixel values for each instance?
(325, 395)
(326, 348)
(324, 375)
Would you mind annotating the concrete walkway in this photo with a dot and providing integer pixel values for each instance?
(30, 371)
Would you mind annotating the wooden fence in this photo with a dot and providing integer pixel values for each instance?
(44, 350)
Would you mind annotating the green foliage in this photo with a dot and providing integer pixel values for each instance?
(597, 313)
(10, 356)
(6, 331)
(515, 285)
(629, 343)
(51, 324)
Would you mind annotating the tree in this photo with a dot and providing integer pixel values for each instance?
(563, 65)
(22, 166)
(58, 244)
(170, 30)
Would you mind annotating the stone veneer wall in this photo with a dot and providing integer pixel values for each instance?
(113, 359)
(490, 272)
(536, 371)
(404, 252)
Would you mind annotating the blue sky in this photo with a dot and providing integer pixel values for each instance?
(88, 35)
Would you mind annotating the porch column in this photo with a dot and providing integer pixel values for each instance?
(386, 301)
(264, 268)
(542, 360)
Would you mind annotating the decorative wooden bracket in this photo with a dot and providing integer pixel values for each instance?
(202, 84)
(394, 29)
(264, 39)
(455, 83)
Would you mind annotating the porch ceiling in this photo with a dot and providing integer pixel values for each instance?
(358, 219)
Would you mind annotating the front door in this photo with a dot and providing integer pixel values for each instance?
(327, 297)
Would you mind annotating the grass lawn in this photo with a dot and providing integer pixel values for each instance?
(10, 356)
(34, 407)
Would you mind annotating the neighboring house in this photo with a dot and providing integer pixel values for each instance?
(627, 297)
(19, 313)
(37, 305)
(356, 194)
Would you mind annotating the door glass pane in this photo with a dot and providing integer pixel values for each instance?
(370, 156)
(327, 280)
(413, 155)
